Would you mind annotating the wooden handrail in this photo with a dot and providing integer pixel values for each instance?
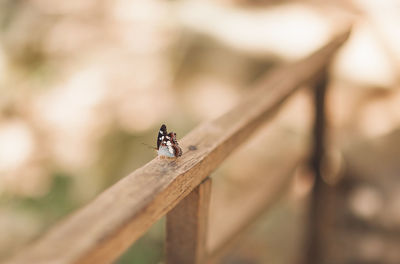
(103, 229)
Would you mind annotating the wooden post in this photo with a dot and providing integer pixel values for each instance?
(187, 227)
(316, 204)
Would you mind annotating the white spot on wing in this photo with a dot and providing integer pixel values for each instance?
(170, 149)
(165, 151)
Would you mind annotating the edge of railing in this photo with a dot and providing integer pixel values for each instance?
(104, 228)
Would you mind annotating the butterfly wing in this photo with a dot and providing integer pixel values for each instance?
(175, 145)
(161, 135)
(177, 150)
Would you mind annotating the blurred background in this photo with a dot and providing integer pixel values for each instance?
(84, 83)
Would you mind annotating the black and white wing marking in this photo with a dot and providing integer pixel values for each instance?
(161, 135)
(175, 145)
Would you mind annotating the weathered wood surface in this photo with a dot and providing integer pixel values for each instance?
(187, 227)
(102, 230)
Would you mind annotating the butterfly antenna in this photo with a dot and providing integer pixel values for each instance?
(149, 146)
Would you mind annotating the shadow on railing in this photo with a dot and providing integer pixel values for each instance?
(180, 189)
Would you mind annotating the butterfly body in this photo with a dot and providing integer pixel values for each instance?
(167, 145)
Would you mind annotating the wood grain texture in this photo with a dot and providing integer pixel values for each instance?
(103, 229)
(187, 227)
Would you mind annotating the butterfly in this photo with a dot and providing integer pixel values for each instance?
(167, 145)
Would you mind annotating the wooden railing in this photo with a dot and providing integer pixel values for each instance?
(102, 230)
